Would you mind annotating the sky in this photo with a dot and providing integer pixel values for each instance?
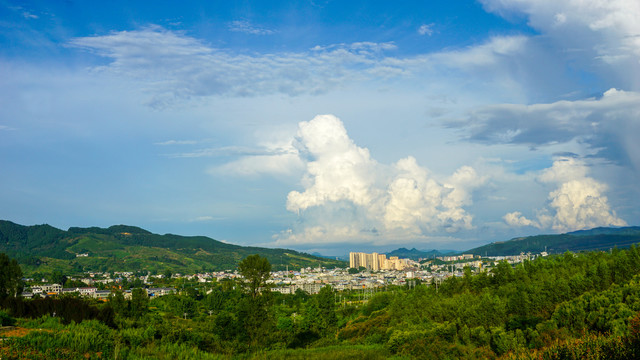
(322, 126)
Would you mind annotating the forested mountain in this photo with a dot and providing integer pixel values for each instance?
(129, 248)
(594, 239)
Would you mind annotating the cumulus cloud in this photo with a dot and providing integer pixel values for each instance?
(349, 196)
(517, 219)
(337, 169)
(577, 203)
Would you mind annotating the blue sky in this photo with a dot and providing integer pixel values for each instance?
(323, 125)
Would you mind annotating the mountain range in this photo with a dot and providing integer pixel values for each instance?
(601, 238)
(45, 248)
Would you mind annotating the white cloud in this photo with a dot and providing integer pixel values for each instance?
(517, 219)
(577, 203)
(173, 67)
(349, 196)
(337, 169)
(426, 29)
(597, 32)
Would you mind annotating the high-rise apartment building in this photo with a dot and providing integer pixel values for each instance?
(376, 261)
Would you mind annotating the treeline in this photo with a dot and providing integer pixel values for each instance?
(571, 306)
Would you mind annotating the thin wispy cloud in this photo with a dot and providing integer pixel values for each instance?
(173, 66)
(234, 151)
(246, 27)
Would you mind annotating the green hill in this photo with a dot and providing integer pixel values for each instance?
(594, 239)
(129, 248)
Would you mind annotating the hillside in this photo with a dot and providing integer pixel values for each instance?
(594, 239)
(128, 248)
(415, 254)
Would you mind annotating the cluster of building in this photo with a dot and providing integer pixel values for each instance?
(89, 292)
(377, 262)
(312, 280)
(458, 257)
(380, 272)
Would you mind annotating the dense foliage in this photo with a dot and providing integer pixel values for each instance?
(570, 306)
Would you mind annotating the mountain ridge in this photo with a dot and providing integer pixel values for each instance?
(130, 248)
(599, 238)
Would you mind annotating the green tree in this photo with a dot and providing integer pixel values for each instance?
(139, 302)
(256, 270)
(56, 277)
(254, 309)
(167, 273)
(118, 303)
(325, 301)
(10, 277)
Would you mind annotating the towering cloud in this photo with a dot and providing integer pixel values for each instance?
(337, 169)
(349, 196)
(578, 202)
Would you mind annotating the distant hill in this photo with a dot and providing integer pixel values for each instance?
(595, 239)
(129, 248)
(415, 254)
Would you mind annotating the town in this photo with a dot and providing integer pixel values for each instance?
(366, 272)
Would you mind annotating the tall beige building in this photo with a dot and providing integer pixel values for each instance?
(376, 261)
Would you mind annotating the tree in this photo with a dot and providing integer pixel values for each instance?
(167, 273)
(118, 303)
(325, 301)
(256, 270)
(254, 309)
(139, 302)
(10, 277)
(56, 277)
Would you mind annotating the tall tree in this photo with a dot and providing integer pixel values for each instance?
(256, 270)
(325, 301)
(139, 302)
(258, 322)
(10, 277)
